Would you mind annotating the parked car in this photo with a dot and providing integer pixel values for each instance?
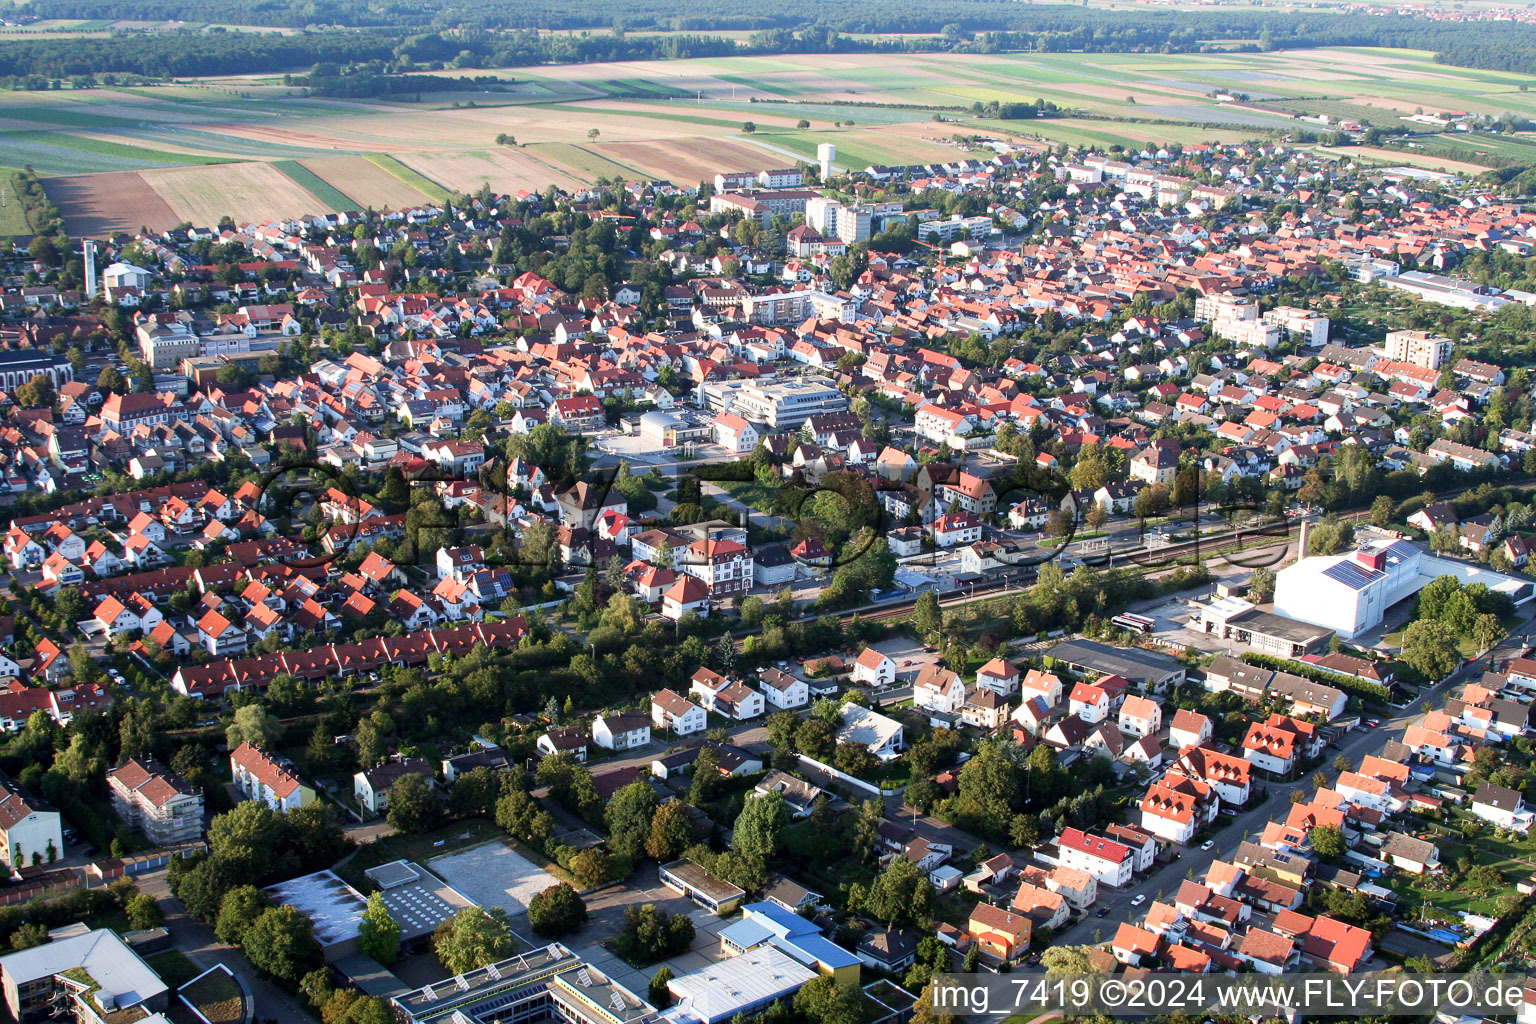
(1207, 844)
(1138, 899)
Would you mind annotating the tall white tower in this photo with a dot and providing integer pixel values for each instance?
(89, 248)
(825, 154)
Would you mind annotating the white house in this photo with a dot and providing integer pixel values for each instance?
(938, 689)
(29, 828)
(998, 676)
(621, 732)
(1188, 729)
(783, 691)
(735, 434)
(956, 528)
(874, 669)
(1109, 863)
(272, 780)
(687, 594)
(1140, 716)
(1502, 806)
(882, 736)
(1045, 685)
(673, 711)
(371, 787)
(1089, 702)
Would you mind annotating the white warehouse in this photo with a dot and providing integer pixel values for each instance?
(1351, 593)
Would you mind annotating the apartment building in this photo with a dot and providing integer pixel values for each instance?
(272, 780)
(156, 801)
(1419, 348)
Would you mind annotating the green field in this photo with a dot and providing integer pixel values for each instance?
(420, 182)
(584, 160)
(323, 190)
(12, 223)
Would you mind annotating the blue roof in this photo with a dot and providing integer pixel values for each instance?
(777, 919)
(822, 949)
(801, 939)
(745, 933)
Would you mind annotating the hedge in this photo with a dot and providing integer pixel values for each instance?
(1349, 684)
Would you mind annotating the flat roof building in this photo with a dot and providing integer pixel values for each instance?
(1148, 669)
(96, 966)
(736, 985)
(713, 894)
(1232, 618)
(543, 984)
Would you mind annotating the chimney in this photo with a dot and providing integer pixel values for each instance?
(1306, 530)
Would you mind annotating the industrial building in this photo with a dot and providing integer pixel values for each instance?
(1350, 594)
(1232, 618)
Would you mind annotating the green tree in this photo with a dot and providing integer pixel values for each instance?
(660, 995)
(556, 911)
(628, 816)
(282, 943)
(1382, 510)
(1068, 960)
(413, 807)
(902, 892)
(755, 839)
(926, 615)
(1261, 584)
(379, 932)
(143, 911)
(111, 379)
(248, 841)
(255, 726)
(475, 792)
(1430, 647)
(823, 1001)
(471, 939)
(36, 392)
(652, 934)
(239, 910)
(1328, 842)
(671, 831)
(591, 868)
(29, 936)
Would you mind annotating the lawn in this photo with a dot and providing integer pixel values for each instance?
(420, 848)
(217, 997)
(173, 967)
(1466, 644)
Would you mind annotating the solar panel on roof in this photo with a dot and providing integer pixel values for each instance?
(1356, 577)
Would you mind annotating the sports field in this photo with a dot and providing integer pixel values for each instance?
(142, 155)
(494, 875)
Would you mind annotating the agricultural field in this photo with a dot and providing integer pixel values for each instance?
(250, 191)
(99, 205)
(367, 183)
(126, 156)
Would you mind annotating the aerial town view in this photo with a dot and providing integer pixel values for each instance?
(677, 513)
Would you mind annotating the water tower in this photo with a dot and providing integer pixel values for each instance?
(89, 251)
(825, 154)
